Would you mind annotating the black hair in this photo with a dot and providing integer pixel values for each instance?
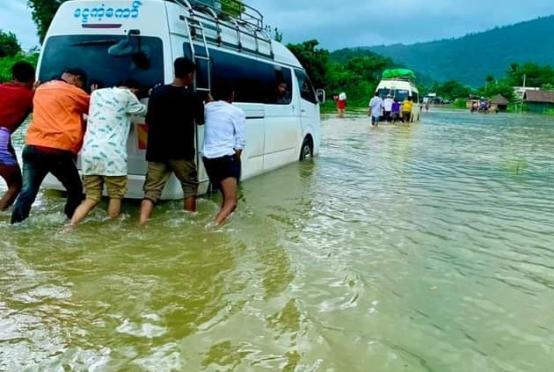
(223, 91)
(130, 83)
(183, 67)
(99, 83)
(80, 73)
(23, 72)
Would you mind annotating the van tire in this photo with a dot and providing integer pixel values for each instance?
(307, 149)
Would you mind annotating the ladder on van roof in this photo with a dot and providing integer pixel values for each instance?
(205, 14)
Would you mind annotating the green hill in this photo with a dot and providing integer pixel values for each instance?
(471, 58)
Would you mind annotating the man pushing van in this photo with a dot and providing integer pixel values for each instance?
(173, 112)
(104, 154)
(53, 141)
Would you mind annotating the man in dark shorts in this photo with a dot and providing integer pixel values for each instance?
(224, 140)
(173, 112)
(16, 103)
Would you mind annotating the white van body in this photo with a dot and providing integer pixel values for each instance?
(400, 89)
(84, 34)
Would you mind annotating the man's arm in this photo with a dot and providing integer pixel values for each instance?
(151, 115)
(239, 124)
(199, 116)
(134, 106)
(82, 101)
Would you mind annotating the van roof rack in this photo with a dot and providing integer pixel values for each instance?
(233, 10)
(242, 19)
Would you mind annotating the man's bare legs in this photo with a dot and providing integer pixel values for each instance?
(190, 204)
(229, 204)
(82, 211)
(9, 197)
(146, 208)
(114, 208)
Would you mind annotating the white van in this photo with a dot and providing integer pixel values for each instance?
(401, 88)
(114, 40)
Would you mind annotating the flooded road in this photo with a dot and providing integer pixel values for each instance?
(427, 247)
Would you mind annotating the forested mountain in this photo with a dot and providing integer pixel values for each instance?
(472, 58)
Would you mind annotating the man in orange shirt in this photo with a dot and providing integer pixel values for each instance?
(53, 141)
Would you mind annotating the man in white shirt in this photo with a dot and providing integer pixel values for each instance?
(104, 153)
(224, 140)
(375, 109)
(387, 106)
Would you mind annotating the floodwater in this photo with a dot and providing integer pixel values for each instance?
(425, 247)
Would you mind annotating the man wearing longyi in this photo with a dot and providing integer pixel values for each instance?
(16, 102)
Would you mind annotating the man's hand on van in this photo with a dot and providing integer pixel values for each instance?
(238, 153)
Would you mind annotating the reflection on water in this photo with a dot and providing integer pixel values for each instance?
(403, 248)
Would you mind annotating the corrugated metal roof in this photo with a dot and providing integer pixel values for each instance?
(539, 96)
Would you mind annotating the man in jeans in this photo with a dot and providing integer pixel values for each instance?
(53, 141)
(173, 112)
(16, 103)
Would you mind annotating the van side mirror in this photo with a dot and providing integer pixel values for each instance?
(321, 95)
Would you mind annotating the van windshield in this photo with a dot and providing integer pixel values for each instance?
(398, 94)
(92, 54)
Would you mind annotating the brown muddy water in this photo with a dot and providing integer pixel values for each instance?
(427, 247)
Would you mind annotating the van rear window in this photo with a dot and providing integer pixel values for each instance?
(141, 59)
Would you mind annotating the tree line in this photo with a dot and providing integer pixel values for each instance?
(354, 71)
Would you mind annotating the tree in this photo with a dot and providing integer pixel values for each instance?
(313, 59)
(232, 7)
(9, 46)
(451, 90)
(43, 12)
(7, 63)
(497, 87)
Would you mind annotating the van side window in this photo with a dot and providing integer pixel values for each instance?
(283, 86)
(306, 88)
(254, 81)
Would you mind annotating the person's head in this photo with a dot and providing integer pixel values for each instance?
(282, 88)
(130, 84)
(76, 77)
(224, 91)
(184, 70)
(24, 73)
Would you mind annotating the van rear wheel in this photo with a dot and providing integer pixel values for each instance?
(307, 149)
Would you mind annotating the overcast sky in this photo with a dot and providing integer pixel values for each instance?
(350, 23)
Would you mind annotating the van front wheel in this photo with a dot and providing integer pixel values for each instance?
(307, 149)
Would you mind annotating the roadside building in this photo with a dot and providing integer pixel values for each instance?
(499, 103)
(539, 101)
(519, 92)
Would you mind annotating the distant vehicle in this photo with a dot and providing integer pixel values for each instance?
(115, 40)
(400, 84)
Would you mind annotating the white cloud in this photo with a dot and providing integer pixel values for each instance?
(15, 17)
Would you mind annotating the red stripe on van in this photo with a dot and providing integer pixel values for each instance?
(101, 25)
